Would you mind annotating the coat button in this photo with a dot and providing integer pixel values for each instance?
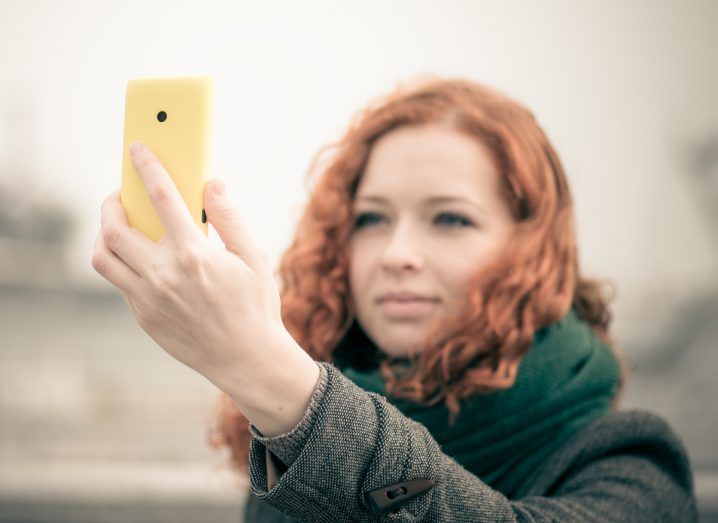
(389, 498)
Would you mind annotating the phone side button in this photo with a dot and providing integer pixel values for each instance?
(204, 217)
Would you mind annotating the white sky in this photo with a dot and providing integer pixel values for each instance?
(620, 87)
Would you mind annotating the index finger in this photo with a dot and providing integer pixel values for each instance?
(164, 195)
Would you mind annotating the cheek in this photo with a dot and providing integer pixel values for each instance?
(455, 278)
(461, 268)
(359, 273)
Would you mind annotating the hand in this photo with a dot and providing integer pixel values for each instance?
(216, 310)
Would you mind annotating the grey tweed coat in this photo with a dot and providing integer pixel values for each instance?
(356, 457)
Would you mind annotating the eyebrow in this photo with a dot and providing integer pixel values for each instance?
(430, 199)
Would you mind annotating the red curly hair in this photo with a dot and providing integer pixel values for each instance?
(532, 285)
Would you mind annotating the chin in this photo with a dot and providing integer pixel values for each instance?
(401, 346)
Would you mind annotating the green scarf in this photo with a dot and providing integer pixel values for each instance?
(567, 379)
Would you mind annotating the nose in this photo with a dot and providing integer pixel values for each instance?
(403, 250)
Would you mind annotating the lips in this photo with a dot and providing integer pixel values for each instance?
(406, 305)
(404, 296)
(397, 309)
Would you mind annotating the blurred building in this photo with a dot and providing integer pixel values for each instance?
(97, 423)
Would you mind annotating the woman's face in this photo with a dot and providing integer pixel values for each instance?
(429, 215)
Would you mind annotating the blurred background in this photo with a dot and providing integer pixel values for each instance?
(95, 416)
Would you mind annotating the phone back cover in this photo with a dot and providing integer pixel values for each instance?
(182, 142)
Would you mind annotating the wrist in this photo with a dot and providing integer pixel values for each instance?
(274, 393)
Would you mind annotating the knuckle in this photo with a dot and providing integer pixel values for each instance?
(158, 279)
(141, 162)
(106, 201)
(161, 283)
(104, 212)
(160, 193)
(190, 258)
(98, 263)
(229, 212)
(111, 235)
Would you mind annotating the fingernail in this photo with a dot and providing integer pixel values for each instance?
(135, 148)
(218, 187)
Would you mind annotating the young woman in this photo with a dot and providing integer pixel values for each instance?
(460, 366)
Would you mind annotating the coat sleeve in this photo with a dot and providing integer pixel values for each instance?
(361, 459)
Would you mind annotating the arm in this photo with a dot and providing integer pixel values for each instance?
(356, 443)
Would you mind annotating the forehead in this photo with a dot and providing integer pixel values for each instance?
(413, 162)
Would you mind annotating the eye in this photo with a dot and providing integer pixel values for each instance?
(369, 218)
(460, 219)
(364, 217)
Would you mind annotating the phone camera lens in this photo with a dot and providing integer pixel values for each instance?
(162, 116)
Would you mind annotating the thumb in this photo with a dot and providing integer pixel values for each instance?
(224, 217)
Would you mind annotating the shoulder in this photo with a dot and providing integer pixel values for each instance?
(631, 447)
(632, 431)
(637, 432)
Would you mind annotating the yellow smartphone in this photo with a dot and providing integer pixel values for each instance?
(172, 116)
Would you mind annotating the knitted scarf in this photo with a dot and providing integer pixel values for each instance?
(567, 379)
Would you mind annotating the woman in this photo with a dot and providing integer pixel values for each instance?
(465, 369)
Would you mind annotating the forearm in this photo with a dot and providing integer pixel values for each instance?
(358, 445)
